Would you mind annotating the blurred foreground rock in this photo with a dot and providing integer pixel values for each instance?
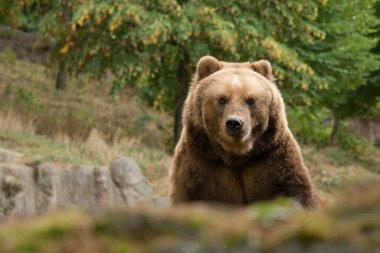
(38, 188)
(351, 225)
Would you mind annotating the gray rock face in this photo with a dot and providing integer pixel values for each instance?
(132, 184)
(35, 189)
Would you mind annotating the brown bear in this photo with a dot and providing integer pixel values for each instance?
(235, 146)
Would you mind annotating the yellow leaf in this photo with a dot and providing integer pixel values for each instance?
(153, 39)
(64, 49)
(92, 52)
(80, 22)
(155, 104)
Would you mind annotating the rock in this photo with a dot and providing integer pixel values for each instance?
(42, 187)
(16, 195)
(128, 178)
(102, 186)
(77, 187)
(11, 186)
(46, 184)
(8, 156)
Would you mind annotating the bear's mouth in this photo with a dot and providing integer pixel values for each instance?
(237, 137)
(237, 144)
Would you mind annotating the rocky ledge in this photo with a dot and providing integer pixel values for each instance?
(30, 189)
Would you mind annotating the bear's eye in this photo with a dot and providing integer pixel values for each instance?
(222, 100)
(250, 101)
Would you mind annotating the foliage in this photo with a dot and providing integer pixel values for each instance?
(344, 58)
(309, 126)
(356, 146)
(320, 50)
(367, 98)
(145, 42)
(24, 14)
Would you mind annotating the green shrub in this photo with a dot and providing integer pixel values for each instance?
(9, 56)
(352, 143)
(308, 126)
(27, 101)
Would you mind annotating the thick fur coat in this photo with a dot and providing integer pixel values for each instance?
(235, 145)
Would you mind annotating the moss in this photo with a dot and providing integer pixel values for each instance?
(151, 229)
(312, 228)
(27, 247)
(267, 213)
(235, 239)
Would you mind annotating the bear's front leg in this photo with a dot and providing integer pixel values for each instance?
(298, 185)
(184, 181)
(177, 190)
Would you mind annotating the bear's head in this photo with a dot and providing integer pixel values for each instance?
(236, 104)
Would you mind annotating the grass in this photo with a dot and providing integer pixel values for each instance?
(62, 150)
(332, 167)
(28, 91)
(37, 148)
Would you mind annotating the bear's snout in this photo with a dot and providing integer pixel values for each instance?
(234, 126)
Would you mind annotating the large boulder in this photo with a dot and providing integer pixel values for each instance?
(131, 182)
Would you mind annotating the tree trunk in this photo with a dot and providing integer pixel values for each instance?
(62, 73)
(181, 92)
(335, 130)
(61, 77)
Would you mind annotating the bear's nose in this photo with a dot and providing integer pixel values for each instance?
(234, 124)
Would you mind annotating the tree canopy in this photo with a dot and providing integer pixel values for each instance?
(321, 51)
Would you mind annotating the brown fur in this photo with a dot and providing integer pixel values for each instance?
(265, 162)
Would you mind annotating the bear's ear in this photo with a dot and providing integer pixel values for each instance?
(264, 68)
(206, 66)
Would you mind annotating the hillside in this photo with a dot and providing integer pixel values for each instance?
(85, 125)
